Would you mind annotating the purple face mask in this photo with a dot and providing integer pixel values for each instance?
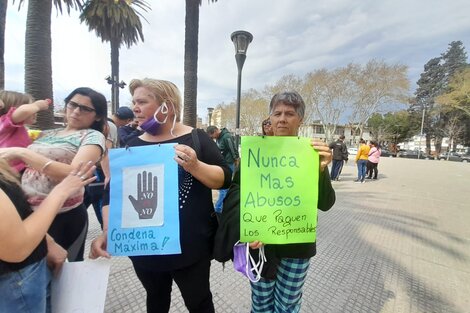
(244, 263)
(152, 124)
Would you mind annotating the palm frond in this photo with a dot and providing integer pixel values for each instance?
(115, 19)
(59, 4)
(68, 4)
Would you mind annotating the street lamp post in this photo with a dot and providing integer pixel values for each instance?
(396, 134)
(421, 133)
(115, 84)
(209, 112)
(241, 39)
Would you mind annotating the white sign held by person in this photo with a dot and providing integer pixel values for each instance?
(80, 287)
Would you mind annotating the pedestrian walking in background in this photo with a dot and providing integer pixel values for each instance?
(229, 151)
(340, 155)
(373, 160)
(361, 161)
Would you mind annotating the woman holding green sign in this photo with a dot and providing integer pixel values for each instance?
(282, 292)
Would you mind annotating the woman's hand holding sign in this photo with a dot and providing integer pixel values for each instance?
(324, 152)
(186, 157)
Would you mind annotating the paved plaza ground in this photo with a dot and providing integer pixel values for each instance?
(399, 244)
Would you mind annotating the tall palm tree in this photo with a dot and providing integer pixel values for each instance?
(38, 63)
(191, 43)
(3, 15)
(118, 22)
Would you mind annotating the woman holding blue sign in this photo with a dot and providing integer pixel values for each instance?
(157, 108)
(282, 291)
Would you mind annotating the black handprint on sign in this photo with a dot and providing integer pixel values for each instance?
(146, 203)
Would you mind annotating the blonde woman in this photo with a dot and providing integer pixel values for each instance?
(157, 108)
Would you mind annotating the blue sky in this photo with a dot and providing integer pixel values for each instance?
(290, 37)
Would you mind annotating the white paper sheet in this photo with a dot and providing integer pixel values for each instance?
(81, 287)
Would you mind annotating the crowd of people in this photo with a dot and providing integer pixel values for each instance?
(367, 159)
(48, 183)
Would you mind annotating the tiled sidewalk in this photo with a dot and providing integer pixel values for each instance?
(398, 244)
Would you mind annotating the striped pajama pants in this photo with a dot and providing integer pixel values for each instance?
(284, 294)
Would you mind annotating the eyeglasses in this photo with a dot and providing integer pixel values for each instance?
(267, 123)
(83, 108)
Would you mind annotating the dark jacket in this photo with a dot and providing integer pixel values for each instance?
(227, 146)
(340, 151)
(126, 133)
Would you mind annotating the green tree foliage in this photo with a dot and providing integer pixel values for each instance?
(434, 82)
(457, 99)
(117, 22)
(376, 126)
(455, 59)
(430, 85)
(390, 128)
(458, 92)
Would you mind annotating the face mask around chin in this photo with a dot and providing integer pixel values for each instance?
(150, 126)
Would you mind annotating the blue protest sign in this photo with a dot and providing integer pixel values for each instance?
(143, 211)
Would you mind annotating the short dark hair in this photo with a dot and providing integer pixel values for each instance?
(342, 137)
(211, 129)
(290, 98)
(99, 104)
(124, 113)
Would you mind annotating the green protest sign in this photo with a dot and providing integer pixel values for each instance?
(279, 190)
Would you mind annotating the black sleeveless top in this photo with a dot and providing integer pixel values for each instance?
(17, 196)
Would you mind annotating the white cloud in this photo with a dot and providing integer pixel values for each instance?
(290, 37)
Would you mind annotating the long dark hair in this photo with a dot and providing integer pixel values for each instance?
(99, 104)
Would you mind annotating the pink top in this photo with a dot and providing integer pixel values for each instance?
(13, 135)
(374, 155)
